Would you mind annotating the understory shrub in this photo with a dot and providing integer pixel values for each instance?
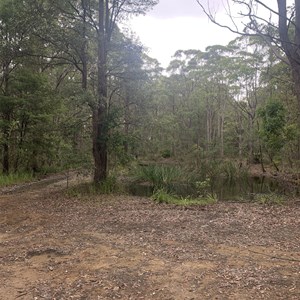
(15, 178)
(108, 186)
(215, 169)
(269, 199)
(162, 196)
(159, 176)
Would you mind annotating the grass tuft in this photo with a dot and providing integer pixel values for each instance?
(269, 199)
(162, 196)
(108, 186)
(15, 178)
(159, 176)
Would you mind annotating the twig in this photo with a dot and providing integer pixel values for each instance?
(21, 294)
(275, 257)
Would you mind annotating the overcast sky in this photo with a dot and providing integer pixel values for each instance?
(179, 25)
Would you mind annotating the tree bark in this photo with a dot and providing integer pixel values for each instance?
(108, 15)
(5, 145)
(84, 47)
(100, 132)
(126, 117)
(6, 117)
(291, 48)
(5, 160)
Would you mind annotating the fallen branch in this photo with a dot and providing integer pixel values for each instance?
(275, 257)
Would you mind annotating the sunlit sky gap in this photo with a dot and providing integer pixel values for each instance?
(181, 24)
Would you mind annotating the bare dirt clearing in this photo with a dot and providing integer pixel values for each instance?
(121, 247)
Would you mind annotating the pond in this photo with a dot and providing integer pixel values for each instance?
(246, 189)
(237, 190)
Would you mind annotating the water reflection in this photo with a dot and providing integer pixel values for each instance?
(235, 190)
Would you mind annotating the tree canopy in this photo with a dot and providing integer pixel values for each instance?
(78, 91)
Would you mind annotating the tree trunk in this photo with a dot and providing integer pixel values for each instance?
(5, 160)
(296, 78)
(126, 118)
(291, 48)
(84, 47)
(99, 145)
(100, 132)
(6, 117)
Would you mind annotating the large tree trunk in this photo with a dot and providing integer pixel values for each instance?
(296, 78)
(291, 48)
(84, 47)
(126, 117)
(99, 145)
(5, 144)
(6, 118)
(100, 132)
(5, 160)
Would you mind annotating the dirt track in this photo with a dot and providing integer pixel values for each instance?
(121, 247)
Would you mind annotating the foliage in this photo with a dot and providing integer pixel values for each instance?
(212, 111)
(209, 170)
(162, 196)
(15, 178)
(203, 188)
(109, 186)
(273, 128)
(159, 175)
(273, 125)
(166, 153)
(269, 199)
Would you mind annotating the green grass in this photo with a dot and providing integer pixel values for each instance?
(162, 196)
(15, 178)
(215, 169)
(109, 186)
(159, 176)
(269, 199)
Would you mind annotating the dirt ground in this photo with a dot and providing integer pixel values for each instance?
(53, 246)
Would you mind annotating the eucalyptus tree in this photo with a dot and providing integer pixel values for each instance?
(126, 93)
(279, 88)
(38, 38)
(81, 39)
(180, 86)
(16, 25)
(192, 103)
(109, 13)
(249, 62)
(11, 43)
(217, 80)
(280, 30)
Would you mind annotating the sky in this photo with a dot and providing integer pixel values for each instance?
(179, 25)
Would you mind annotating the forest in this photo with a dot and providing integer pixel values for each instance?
(120, 179)
(78, 92)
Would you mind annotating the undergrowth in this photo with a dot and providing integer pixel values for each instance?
(269, 199)
(108, 186)
(158, 175)
(15, 178)
(162, 196)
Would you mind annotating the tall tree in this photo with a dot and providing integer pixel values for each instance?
(16, 40)
(109, 13)
(283, 37)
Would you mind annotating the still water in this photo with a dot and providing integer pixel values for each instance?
(237, 190)
(246, 189)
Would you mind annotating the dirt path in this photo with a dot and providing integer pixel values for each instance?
(121, 247)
